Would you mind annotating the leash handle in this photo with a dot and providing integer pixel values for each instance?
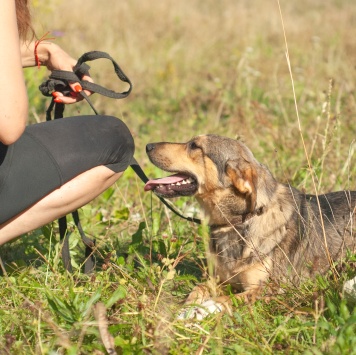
(59, 79)
(93, 55)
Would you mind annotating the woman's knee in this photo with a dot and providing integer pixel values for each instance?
(120, 145)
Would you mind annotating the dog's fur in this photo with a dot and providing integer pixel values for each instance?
(259, 229)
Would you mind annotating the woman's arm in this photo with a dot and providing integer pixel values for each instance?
(13, 95)
(14, 56)
(49, 55)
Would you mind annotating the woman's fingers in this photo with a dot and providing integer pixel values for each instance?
(61, 99)
(75, 93)
(76, 87)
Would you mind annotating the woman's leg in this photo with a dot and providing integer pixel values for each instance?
(70, 196)
(58, 166)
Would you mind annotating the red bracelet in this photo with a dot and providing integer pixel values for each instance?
(43, 38)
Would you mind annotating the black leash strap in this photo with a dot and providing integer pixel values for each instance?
(59, 81)
(64, 234)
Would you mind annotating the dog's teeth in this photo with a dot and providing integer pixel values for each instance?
(178, 183)
(184, 182)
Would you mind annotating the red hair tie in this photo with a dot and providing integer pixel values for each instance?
(43, 38)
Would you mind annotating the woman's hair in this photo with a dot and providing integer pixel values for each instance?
(23, 18)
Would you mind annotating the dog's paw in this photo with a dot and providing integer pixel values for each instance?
(201, 311)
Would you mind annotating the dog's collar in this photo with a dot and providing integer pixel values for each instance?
(240, 220)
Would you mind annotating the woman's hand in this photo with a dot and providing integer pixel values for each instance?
(58, 59)
(54, 58)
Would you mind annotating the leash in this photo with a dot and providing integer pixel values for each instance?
(59, 81)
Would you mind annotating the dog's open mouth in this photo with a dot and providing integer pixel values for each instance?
(173, 186)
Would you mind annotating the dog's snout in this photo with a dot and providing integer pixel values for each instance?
(149, 147)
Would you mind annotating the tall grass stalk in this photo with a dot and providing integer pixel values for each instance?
(310, 167)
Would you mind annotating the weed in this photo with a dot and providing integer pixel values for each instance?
(197, 67)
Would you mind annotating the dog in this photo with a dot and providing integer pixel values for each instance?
(260, 229)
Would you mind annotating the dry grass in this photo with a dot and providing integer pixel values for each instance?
(206, 66)
(198, 66)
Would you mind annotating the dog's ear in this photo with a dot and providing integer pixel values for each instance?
(244, 177)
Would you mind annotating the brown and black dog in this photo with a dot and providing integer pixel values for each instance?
(260, 229)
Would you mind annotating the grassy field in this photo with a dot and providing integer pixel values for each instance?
(198, 66)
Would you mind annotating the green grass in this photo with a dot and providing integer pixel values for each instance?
(197, 67)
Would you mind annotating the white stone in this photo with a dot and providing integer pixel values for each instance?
(349, 291)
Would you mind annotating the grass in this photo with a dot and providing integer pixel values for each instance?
(197, 67)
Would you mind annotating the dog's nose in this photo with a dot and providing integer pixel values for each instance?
(149, 147)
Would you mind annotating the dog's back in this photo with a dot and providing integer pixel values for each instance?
(321, 230)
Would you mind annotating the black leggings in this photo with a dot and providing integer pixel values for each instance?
(49, 154)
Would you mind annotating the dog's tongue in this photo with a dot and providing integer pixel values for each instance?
(164, 181)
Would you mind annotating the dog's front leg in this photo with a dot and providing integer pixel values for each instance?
(199, 304)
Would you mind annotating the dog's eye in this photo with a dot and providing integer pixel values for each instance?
(193, 146)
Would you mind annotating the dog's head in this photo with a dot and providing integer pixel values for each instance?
(218, 171)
